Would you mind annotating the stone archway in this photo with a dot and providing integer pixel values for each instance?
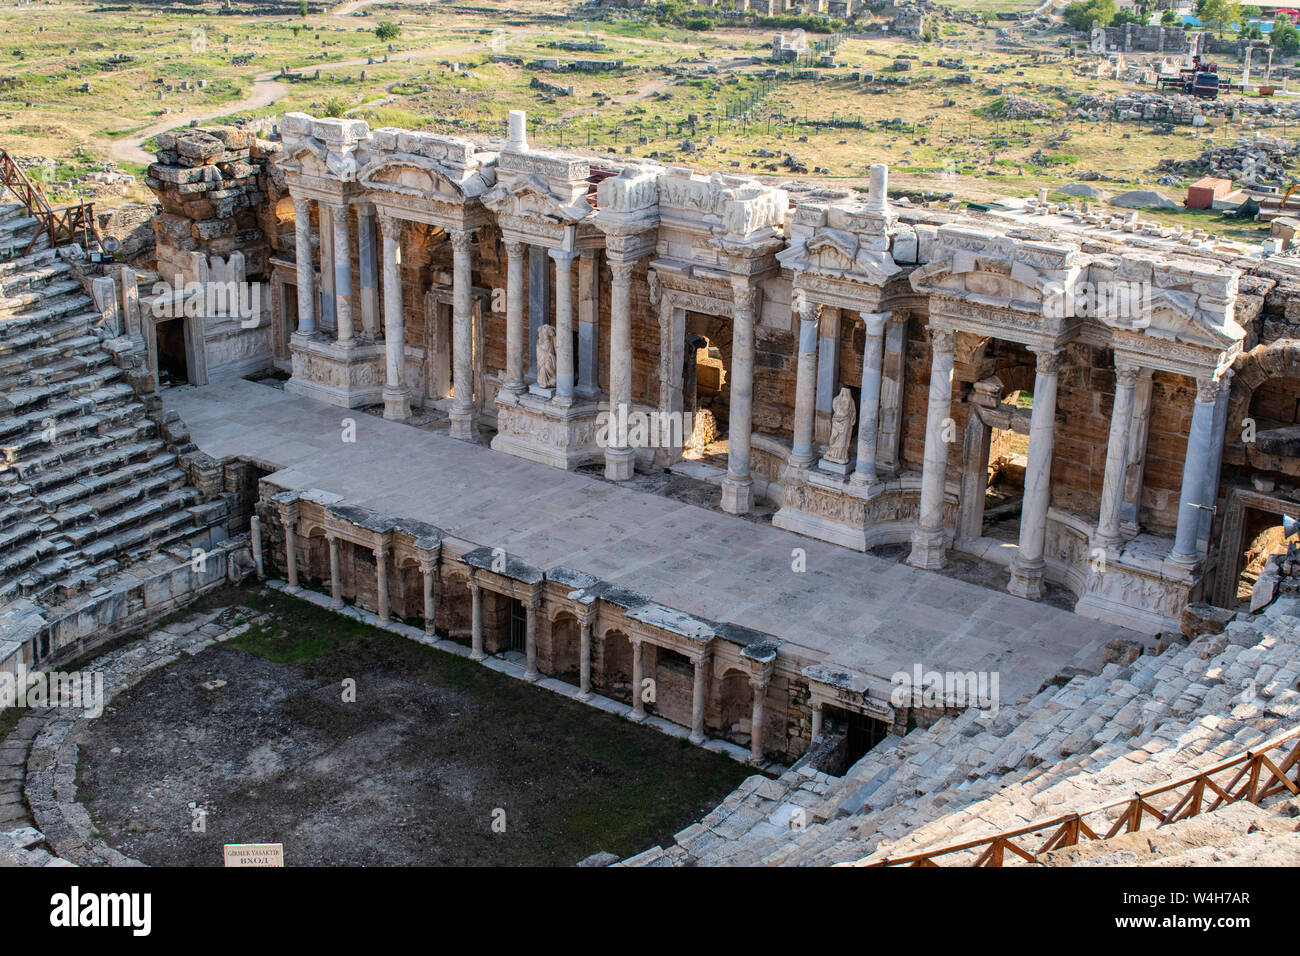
(566, 641)
(616, 665)
(735, 704)
(1257, 374)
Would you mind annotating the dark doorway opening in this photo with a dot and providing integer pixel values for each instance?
(863, 731)
(172, 366)
(518, 629)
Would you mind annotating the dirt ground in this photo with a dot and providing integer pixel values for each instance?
(414, 772)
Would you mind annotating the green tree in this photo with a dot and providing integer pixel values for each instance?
(1081, 13)
(1169, 18)
(302, 8)
(1219, 15)
(1285, 37)
(388, 30)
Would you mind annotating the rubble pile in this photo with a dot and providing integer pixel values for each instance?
(1250, 159)
(1182, 110)
(1022, 107)
(211, 186)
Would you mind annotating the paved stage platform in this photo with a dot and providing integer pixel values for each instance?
(850, 609)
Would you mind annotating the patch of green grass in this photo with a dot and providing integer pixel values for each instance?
(9, 718)
(284, 644)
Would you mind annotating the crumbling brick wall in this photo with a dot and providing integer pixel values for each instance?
(216, 193)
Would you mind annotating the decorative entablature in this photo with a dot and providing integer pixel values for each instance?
(322, 157)
(739, 221)
(539, 197)
(439, 180)
(840, 687)
(841, 255)
(627, 211)
(1173, 315)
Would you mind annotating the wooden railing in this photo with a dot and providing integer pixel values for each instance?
(1257, 776)
(65, 224)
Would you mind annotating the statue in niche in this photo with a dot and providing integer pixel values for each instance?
(546, 356)
(843, 415)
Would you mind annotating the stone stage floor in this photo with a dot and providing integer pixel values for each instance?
(853, 610)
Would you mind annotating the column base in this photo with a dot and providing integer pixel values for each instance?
(397, 405)
(862, 479)
(1026, 581)
(620, 463)
(584, 696)
(462, 424)
(477, 656)
(737, 495)
(929, 550)
(636, 718)
(532, 677)
(801, 461)
(697, 739)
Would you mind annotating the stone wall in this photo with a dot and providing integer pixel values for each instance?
(217, 197)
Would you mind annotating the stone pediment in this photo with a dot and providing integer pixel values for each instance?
(314, 158)
(419, 177)
(531, 199)
(841, 255)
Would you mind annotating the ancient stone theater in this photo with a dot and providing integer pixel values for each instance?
(612, 424)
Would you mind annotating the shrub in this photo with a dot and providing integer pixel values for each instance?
(388, 30)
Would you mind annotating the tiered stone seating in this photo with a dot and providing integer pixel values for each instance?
(86, 481)
(1091, 742)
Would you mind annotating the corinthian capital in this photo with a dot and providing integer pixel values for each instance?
(460, 239)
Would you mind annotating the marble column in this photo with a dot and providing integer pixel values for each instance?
(255, 540)
(738, 486)
(828, 370)
(1196, 462)
(873, 353)
(476, 622)
(381, 583)
(397, 402)
(818, 718)
(756, 722)
(539, 304)
(589, 323)
(893, 368)
(563, 326)
(697, 698)
(1211, 493)
(928, 538)
(1027, 566)
(530, 634)
(619, 459)
(336, 576)
(463, 411)
(638, 677)
(514, 380)
(303, 265)
(584, 659)
(327, 312)
(1112, 488)
(427, 571)
(343, 274)
(805, 389)
(368, 269)
(1134, 472)
(289, 521)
